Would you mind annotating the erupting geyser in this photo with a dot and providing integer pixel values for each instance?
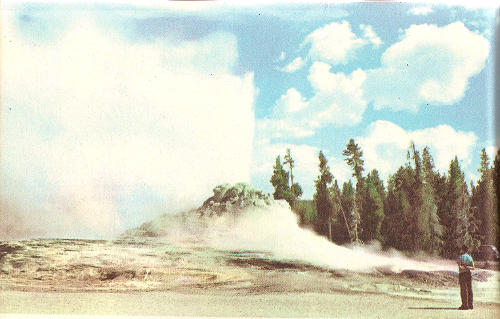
(240, 218)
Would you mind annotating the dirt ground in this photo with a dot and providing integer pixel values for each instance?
(335, 304)
(151, 278)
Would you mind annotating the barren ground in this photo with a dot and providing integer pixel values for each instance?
(154, 277)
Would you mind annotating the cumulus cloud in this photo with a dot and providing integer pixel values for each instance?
(89, 119)
(430, 64)
(290, 102)
(334, 43)
(491, 151)
(338, 97)
(340, 170)
(370, 35)
(446, 143)
(420, 11)
(403, 82)
(293, 66)
(337, 100)
(384, 145)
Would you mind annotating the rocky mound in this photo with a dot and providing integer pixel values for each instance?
(226, 200)
(229, 199)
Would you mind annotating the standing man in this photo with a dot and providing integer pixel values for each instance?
(465, 265)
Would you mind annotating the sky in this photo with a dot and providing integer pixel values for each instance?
(112, 114)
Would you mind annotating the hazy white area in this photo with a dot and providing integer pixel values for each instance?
(99, 134)
(275, 230)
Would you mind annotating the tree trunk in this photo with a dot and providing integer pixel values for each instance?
(330, 230)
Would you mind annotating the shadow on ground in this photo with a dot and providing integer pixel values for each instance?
(433, 308)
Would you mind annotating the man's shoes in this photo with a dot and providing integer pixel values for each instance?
(465, 308)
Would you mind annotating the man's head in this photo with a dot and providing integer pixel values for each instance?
(464, 249)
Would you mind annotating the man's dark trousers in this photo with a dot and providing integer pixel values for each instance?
(465, 280)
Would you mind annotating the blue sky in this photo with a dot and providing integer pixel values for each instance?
(113, 114)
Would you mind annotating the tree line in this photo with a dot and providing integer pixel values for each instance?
(419, 210)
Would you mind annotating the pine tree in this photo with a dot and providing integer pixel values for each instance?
(465, 228)
(347, 198)
(455, 216)
(372, 197)
(439, 184)
(411, 217)
(340, 232)
(354, 158)
(324, 205)
(433, 231)
(295, 187)
(485, 201)
(289, 160)
(398, 230)
(279, 180)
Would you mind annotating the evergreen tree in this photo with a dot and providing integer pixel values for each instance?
(306, 210)
(433, 231)
(295, 187)
(398, 230)
(416, 219)
(354, 158)
(324, 205)
(466, 226)
(372, 215)
(347, 198)
(412, 222)
(289, 160)
(279, 180)
(340, 228)
(455, 216)
(439, 184)
(296, 191)
(484, 202)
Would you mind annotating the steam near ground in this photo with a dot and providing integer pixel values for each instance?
(274, 229)
(93, 166)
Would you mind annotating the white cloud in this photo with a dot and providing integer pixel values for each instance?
(90, 118)
(284, 128)
(370, 35)
(491, 151)
(293, 66)
(338, 100)
(430, 64)
(384, 146)
(446, 143)
(340, 170)
(334, 43)
(403, 82)
(338, 97)
(420, 11)
(290, 102)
